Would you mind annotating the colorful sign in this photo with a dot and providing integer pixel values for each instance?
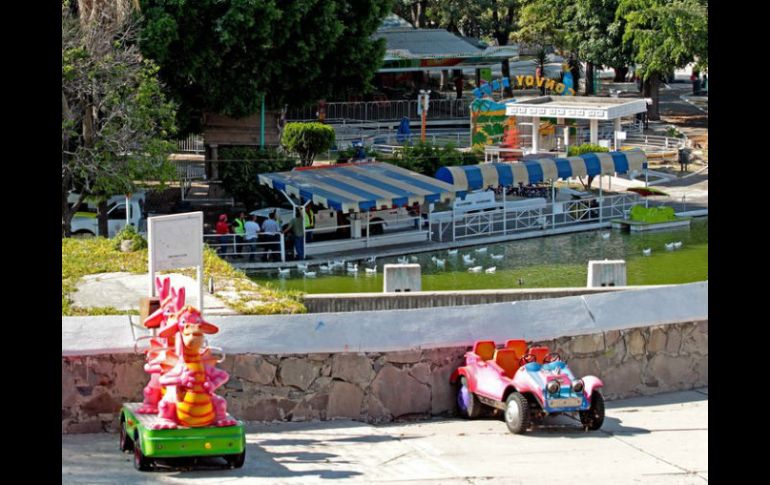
(529, 81)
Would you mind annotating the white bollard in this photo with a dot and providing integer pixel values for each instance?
(606, 273)
(401, 278)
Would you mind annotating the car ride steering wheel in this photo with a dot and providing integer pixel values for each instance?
(526, 359)
(552, 357)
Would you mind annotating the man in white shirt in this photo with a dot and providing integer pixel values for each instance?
(250, 236)
(271, 231)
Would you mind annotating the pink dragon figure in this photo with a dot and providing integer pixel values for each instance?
(159, 356)
(189, 399)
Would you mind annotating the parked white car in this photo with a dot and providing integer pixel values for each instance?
(85, 222)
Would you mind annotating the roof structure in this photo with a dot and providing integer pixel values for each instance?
(576, 107)
(411, 49)
(475, 177)
(355, 187)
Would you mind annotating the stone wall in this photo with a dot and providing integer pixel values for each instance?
(383, 386)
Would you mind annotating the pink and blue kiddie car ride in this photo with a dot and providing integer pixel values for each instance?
(526, 383)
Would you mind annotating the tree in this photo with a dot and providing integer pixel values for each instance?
(591, 36)
(307, 140)
(240, 167)
(223, 56)
(665, 34)
(115, 119)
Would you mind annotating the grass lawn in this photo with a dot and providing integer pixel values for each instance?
(82, 257)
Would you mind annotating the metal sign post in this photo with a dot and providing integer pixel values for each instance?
(422, 108)
(176, 241)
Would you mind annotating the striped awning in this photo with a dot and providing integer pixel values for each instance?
(474, 177)
(358, 187)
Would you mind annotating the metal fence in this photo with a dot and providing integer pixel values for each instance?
(191, 144)
(234, 246)
(385, 110)
(510, 220)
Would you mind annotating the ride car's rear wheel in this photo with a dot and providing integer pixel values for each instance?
(517, 413)
(236, 461)
(126, 443)
(469, 405)
(593, 418)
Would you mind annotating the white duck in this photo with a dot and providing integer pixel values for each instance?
(468, 261)
(605, 235)
(352, 268)
(669, 246)
(325, 268)
(452, 252)
(440, 262)
(370, 270)
(475, 269)
(481, 250)
(302, 266)
(491, 270)
(677, 244)
(284, 272)
(414, 259)
(403, 260)
(372, 260)
(309, 274)
(647, 251)
(496, 257)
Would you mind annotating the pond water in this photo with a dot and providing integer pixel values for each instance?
(554, 261)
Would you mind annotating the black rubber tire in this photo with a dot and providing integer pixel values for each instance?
(236, 461)
(474, 406)
(141, 462)
(593, 418)
(517, 413)
(126, 443)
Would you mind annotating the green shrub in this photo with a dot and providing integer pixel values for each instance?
(586, 148)
(307, 140)
(425, 158)
(129, 233)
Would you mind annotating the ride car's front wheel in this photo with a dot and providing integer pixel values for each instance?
(467, 402)
(593, 418)
(517, 413)
(141, 462)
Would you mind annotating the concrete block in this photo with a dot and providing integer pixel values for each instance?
(607, 273)
(401, 278)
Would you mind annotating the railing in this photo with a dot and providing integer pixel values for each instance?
(191, 144)
(384, 110)
(509, 220)
(231, 246)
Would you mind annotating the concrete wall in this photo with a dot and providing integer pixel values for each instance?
(382, 386)
(356, 302)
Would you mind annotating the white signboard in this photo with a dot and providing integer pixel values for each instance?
(176, 241)
(620, 135)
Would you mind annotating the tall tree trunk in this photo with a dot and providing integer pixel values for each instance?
(101, 214)
(478, 77)
(589, 78)
(574, 68)
(506, 68)
(620, 74)
(418, 13)
(652, 90)
(444, 80)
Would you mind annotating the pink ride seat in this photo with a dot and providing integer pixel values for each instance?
(484, 349)
(508, 360)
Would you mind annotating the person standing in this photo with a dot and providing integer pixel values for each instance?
(296, 227)
(251, 229)
(223, 229)
(271, 231)
(309, 222)
(239, 230)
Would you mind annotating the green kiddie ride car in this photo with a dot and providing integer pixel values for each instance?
(137, 435)
(181, 415)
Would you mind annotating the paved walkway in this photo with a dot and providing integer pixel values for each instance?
(653, 440)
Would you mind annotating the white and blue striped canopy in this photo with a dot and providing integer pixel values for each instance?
(474, 177)
(361, 186)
